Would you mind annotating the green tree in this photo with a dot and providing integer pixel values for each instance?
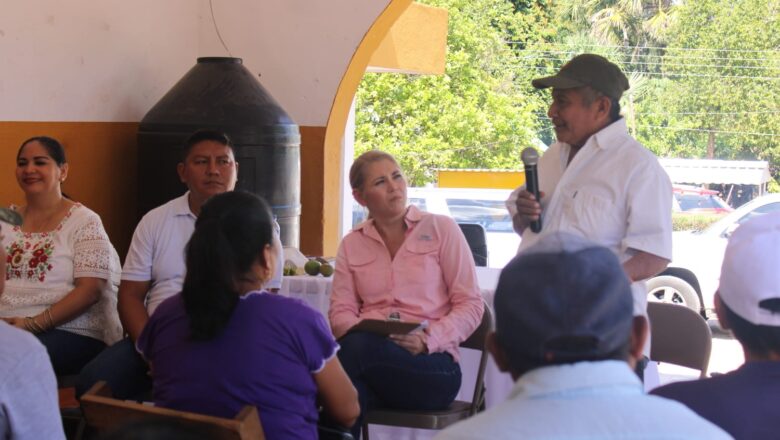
(718, 94)
(628, 23)
(704, 74)
(476, 115)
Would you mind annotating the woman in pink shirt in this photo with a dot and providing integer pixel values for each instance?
(407, 264)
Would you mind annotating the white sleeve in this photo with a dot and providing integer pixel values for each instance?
(649, 205)
(276, 281)
(138, 264)
(92, 250)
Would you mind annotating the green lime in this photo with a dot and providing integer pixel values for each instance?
(312, 267)
(326, 270)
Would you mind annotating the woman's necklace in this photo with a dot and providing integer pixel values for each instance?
(44, 222)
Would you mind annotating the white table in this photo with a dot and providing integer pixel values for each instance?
(315, 291)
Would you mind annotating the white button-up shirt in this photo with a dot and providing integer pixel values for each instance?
(585, 400)
(614, 193)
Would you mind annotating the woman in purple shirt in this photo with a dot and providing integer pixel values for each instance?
(223, 342)
(406, 264)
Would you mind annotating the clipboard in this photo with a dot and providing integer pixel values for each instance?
(386, 328)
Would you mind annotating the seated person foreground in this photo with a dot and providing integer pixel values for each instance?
(566, 334)
(742, 402)
(224, 342)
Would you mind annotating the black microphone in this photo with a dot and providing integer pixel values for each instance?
(530, 158)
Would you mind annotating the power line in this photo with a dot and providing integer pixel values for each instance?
(662, 74)
(698, 49)
(690, 57)
(752, 133)
(729, 66)
(704, 130)
(693, 113)
(712, 113)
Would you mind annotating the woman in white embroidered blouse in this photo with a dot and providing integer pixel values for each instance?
(62, 271)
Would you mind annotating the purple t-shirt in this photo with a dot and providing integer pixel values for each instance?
(742, 402)
(265, 357)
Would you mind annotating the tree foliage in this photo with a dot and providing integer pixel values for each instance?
(473, 116)
(719, 84)
(704, 74)
(628, 23)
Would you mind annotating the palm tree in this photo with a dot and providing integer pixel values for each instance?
(628, 23)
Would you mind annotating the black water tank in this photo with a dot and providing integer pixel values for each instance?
(221, 94)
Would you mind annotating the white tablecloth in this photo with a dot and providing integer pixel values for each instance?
(315, 291)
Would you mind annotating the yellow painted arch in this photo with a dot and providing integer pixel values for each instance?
(337, 120)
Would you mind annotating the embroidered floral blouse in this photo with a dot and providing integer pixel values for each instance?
(42, 267)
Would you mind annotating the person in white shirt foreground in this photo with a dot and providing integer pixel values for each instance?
(28, 389)
(744, 401)
(566, 333)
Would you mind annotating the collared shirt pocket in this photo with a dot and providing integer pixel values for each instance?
(422, 260)
(591, 214)
(368, 273)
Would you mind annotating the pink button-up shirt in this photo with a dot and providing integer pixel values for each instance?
(432, 277)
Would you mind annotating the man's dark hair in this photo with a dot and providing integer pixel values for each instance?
(761, 340)
(590, 95)
(205, 135)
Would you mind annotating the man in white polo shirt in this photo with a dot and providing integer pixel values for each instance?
(597, 181)
(154, 268)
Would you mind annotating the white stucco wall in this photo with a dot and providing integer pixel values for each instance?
(111, 60)
(301, 48)
(83, 60)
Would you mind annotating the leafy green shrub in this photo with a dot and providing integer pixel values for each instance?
(693, 222)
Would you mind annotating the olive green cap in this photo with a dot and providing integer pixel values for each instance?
(590, 70)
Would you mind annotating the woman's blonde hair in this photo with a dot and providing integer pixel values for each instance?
(357, 171)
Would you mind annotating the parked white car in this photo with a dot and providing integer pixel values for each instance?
(694, 273)
(468, 205)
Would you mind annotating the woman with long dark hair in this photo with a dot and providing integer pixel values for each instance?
(62, 272)
(224, 342)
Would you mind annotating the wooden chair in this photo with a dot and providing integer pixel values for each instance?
(104, 414)
(70, 410)
(679, 336)
(458, 410)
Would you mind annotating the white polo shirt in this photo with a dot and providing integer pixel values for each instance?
(614, 193)
(157, 251)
